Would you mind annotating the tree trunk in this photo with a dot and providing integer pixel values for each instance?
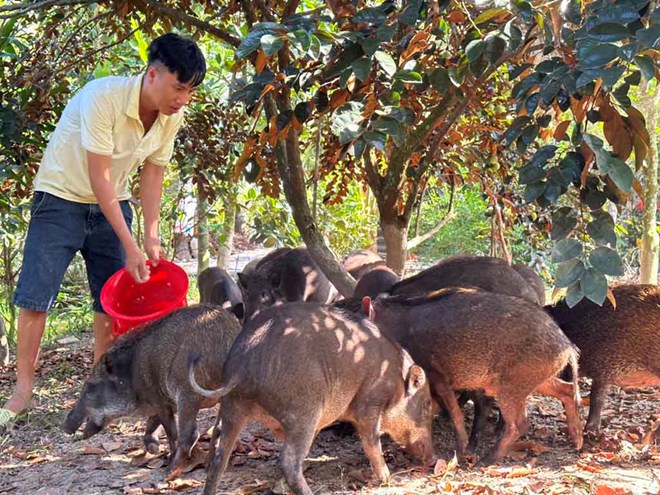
(201, 213)
(648, 253)
(292, 174)
(395, 232)
(228, 230)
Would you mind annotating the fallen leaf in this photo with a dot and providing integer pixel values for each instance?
(87, 450)
(521, 472)
(183, 484)
(517, 456)
(151, 491)
(591, 467)
(257, 486)
(110, 446)
(608, 490)
(440, 467)
(156, 463)
(453, 464)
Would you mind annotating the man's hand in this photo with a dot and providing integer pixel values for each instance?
(153, 249)
(136, 264)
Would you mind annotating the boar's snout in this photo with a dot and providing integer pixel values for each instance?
(91, 428)
(422, 450)
(73, 420)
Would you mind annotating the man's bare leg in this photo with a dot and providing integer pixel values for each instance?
(31, 325)
(102, 334)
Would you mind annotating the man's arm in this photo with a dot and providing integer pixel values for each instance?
(99, 176)
(151, 189)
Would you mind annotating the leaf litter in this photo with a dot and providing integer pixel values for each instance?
(623, 459)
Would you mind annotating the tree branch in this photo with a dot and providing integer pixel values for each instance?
(198, 23)
(450, 215)
(265, 11)
(250, 16)
(20, 9)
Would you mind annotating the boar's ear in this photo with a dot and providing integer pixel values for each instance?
(275, 278)
(368, 308)
(242, 280)
(238, 310)
(415, 380)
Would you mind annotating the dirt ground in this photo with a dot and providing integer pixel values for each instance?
(37, 458)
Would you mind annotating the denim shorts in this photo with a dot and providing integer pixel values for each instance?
(58, 230)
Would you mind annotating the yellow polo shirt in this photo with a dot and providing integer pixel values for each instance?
(103, 118)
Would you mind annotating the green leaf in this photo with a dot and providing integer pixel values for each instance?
(608, 32)
(534, 191)
(411, 12)
(253, 40)
(386, 62)
(376, 139)
(647, 66)
(345, 121)
(618, 171)
(530, 173)
(516, 128)
(649, 37)
(474, 49)
(390, 127)
(574, 294)
(606, 261)
(601, 229)
(595, 199)
(495, 47)
(385, 33)
(408, 76)
(599, 55)
(370, 46)
(566, 249)
(371, 15)
(552, 192)
(489, 14)
(594, 286)
(270, 44)
(563, 223)
(568, 272)
(361, 67)
(439, 79)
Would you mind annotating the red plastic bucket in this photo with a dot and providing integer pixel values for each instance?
(131, 304)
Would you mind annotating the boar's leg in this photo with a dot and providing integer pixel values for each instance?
(597, 401)
(570, 398)
(513, 409)
(369, 433)
(443, 393)
(188, 436)
(151, 443)
(483, 406)
(232, 424)
(169, 425)
(299, 438)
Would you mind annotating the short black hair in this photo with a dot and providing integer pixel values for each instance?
(181, 56)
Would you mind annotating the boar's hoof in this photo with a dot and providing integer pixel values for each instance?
(152, 446)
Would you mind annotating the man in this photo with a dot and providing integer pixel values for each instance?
(108, 129)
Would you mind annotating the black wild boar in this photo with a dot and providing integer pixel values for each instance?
(291, 276)
(355, 261)
(299, 367)
(145, 373)
(468, 339)
(254, 264)
(483, 272)
(376, 278)
(533, 279)
(217, 287)
(617, 346)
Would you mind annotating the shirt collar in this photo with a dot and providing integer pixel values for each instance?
(133, 107)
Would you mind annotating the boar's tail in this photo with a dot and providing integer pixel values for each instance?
(222, 391)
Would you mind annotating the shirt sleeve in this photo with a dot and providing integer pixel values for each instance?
(96, 122)
(163, 153)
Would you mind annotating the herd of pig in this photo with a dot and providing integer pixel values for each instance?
(282, 348)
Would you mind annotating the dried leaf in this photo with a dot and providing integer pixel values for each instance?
(440, 467)
(561, 129)
(608, 490)
(179, 485)
(87, 450)
(110, 446)
(520, 472)
(156, 463)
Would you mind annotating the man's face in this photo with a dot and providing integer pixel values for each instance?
(167, 92)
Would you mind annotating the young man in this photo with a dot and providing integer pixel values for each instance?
(108, 129)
